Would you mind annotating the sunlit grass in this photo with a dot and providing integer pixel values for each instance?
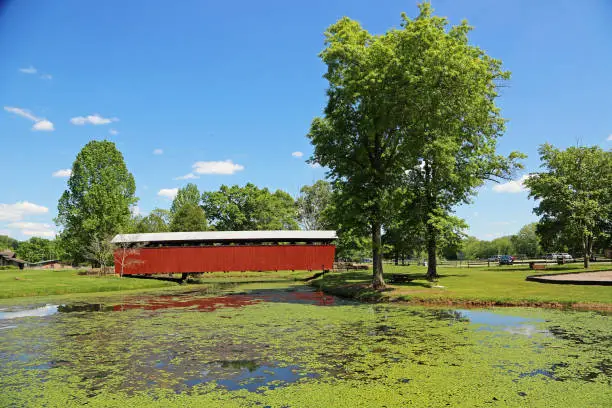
(489, 285)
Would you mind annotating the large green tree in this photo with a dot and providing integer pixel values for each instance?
(189, 217)
(312, 204)
(457, 125)
(238, 208)
(185, 195)
(574, 194)
(419, 99)
(38, 249)
(185, 212)
(157, 220)
(98, 198)
(7, 242)
(526, 241)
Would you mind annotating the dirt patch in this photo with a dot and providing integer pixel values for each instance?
(580, 278)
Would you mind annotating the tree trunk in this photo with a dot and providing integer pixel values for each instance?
(378, 281)
(587, 244)
(432, 272)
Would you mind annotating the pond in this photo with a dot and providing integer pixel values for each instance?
(290, 346)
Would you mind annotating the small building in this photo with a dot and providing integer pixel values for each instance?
(8, 258)
(223, 251)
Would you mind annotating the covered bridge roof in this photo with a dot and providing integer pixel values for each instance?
(220, 236)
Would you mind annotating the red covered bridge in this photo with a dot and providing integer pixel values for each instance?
(225, 251)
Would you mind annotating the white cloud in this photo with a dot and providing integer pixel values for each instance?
(24, 113)
(37, 229)
(189, 176)
(40, 123)
(46, 76)
(297, 154)
(168, 192)
(16, 212)
(158, 151)
(43, 125)
(513, 186)
(609, 139)
(28, 70)
(94, 119)
(217, 167)
(62, 173)
(113, 132)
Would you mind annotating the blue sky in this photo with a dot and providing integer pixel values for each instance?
(229, 89)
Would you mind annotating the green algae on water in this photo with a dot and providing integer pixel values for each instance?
(276, 352)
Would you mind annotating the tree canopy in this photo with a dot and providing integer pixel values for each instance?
(157, 220)
(575, 196)
(188, 217)
(7, 242)
(98, 198)
(185, 212)
(312, 203)
(416, 101)
(38, 249)
(238, 208)
(185, 195)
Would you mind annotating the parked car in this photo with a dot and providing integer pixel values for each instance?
(494, 258)
(506, 260)
(565, 256)
(552, 256)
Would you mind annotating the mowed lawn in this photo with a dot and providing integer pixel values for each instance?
(36, 282)
(482, 285)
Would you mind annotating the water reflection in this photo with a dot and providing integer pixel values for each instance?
(249, 375)
(42, 311)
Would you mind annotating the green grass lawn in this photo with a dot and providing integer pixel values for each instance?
(38, 282)
(483, 285)
(16, 283)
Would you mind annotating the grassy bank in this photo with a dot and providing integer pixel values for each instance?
(19, 284)
(503, 286)
(37, 282)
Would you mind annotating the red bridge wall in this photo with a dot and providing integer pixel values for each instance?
(227, 258)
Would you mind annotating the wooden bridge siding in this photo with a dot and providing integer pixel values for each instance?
(228, 258)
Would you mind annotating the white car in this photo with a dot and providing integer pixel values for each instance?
(565, 256)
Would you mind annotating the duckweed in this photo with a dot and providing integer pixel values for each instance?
(292, 347)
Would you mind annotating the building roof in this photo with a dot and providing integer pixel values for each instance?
(214, 236)
(10, 256)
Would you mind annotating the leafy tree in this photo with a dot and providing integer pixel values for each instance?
(575, 195)
(185, 195)
(360, 139)
(38, 249)
(98, 199)
(456, 126)
(158, 220)
(189, 217)
(502, 246)
(526, 241)
(418, 98)
(7, 242)
(312, 203)
(238, 208)
(99, 251)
